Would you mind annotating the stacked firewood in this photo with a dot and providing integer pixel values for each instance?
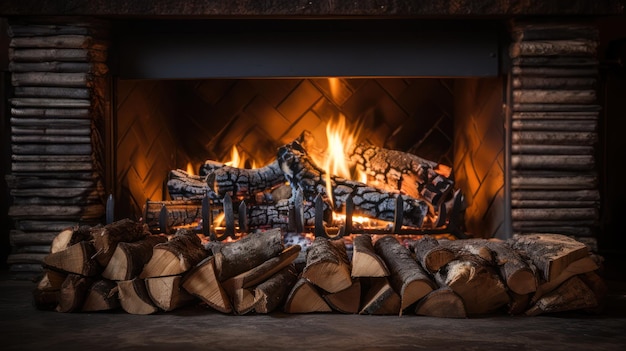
(554, 181)
(122, 266)
(55, 179)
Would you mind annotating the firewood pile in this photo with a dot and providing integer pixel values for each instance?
(122, 265)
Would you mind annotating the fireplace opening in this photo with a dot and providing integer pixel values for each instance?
(183, 97)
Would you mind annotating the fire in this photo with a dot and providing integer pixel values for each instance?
(239, 160)
(190, 169)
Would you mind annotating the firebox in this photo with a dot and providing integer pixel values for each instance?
(103, 108)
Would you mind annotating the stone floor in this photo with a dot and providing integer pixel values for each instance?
(22, 327)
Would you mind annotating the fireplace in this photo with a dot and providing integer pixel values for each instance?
(512, 104)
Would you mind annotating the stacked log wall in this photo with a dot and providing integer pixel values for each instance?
(58, 108)
(554, 129)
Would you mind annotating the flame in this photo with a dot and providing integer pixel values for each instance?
(239, 160)
(333, 83)
(217, 222)
(190, 169)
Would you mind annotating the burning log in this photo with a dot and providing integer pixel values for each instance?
(404, 172)
(303, 174)
(134, 297)
(184, 186)
(304, 298)
(128, 259)
(244, 182)
(179, 213)
(430, 254)
(327, 265)
(167, 293)
(365, 261)
(201, 281)
(380, 298)
(102, 296)
(176, 256)
(270, 294)
(407, 277)
(442, 302)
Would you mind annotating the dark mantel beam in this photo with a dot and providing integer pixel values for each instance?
(308, 8)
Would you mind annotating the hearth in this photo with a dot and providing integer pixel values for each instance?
(107, 110)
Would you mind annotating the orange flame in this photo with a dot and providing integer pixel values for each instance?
(239, 159)
(190, 169)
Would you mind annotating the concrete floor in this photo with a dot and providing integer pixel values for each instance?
(22, 327)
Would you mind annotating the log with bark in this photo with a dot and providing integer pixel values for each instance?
(327, 265)
(167, 293)
(304, 175)
(176, 256)
(379, 297)
(580, 266)
(271, 294)
(102, 296)
(573, 294)
(244, 182)
(233, 258)
(134, 297)
(404, 172)
(201, 281)
(407, 277)
(430, 254)
(365, 261)
(106, 239)
(551, 253)
(128, 259)
(304, 297)
(70, 236)
(442, 302)
(77, 259)
(73, 292)
(179, 213)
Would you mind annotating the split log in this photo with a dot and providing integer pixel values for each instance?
(551, 253)
(134, 297)
(201, 281)
(347, 300)
(264, 271)
(77, 259)
(380, 298)
(71, 236)
(573, 294)
(580, 266)
(179, 254)
(407, 277)
(518, 304)
(270, 294)
(514, 271)
(107, 238)
(304, 298)
(167, 293)
(244, 182)
(46, 294)
(102, 296)
(303, 174)
(599, 287)
(243, 301)
(442, 302)
(234, 258)
(73, 292)
(404, 172)
(128, 259)
(476, 283)
(430, 254)
(365, 261)
(327, 265)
